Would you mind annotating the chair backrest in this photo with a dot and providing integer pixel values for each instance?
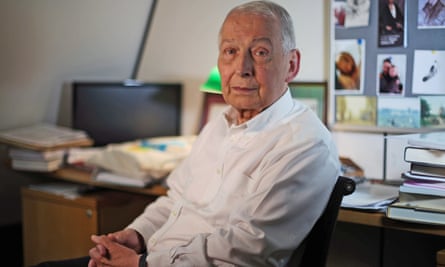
(314, 250)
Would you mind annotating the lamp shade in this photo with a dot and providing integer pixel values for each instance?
(213, 83)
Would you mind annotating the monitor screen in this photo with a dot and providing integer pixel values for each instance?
(114, 112)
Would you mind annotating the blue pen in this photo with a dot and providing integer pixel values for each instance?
(147, 144)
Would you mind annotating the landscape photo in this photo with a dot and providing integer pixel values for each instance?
(398, 112)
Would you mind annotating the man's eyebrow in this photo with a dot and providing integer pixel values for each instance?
(226, 41)
(256, 40)
(262, 39)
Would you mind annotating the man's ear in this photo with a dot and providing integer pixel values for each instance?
(294, 65)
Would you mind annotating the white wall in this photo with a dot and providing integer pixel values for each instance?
(45, 44)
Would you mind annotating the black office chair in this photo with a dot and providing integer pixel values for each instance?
(315, 248)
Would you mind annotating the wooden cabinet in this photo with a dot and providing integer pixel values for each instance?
(55, 227)
(440, 258)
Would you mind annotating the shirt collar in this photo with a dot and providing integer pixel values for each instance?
(273, 113)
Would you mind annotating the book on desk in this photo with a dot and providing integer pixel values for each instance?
(44, 136)
(429, 211)
(31, 160)
(422, 193)
(41, 147)
(421, 201)
(425, 156)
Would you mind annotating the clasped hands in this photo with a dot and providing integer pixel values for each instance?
(118, 249)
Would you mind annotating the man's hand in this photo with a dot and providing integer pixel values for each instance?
(109, 252)
(129, 238)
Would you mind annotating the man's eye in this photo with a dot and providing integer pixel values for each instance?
(261, 53)
(229, 51)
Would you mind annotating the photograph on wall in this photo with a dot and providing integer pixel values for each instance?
(351, 13)
(398, 112)
(349, 59)
(431, 14)
(339, 13)
(391, 26)
(313, 94)
(432, 111)
(391, 74)
(429, 72)
(356, 110)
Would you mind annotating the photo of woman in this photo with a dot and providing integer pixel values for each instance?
(348, 62)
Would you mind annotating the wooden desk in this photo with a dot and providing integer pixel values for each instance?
(378, 219)
(440, 258)
(345, 215)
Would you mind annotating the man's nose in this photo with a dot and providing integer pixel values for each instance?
(245, 65)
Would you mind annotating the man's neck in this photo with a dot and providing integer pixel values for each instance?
(245, 115)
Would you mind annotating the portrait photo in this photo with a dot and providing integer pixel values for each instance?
(391, 26)
(391, 74)
(349, 59)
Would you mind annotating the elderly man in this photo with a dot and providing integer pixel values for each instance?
(258, 176)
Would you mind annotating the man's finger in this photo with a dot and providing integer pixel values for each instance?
(102, 240)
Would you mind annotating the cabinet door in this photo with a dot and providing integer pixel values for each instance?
(56, 228)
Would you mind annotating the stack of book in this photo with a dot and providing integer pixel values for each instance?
(41, 147)
(32, 160)
(422, 194)
(45, 137)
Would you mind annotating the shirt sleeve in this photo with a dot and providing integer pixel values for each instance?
(157, 212)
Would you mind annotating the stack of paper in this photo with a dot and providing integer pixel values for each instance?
(140, 162)
(44, 137)
(119, 179)
(32, 160)
(371, 197)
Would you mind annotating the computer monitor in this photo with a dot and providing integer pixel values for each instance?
(115, 112)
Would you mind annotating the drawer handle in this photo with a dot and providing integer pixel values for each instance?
(89, 213)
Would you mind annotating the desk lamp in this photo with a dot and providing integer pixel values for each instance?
(213, 83)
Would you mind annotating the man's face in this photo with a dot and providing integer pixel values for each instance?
(253, 66)
(386, 67)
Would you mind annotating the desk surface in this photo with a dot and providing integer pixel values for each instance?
(376, 219)
(84, 177)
